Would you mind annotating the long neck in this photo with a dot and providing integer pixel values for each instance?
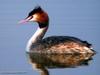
(38, 35)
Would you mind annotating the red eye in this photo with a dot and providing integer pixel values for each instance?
(31, 17)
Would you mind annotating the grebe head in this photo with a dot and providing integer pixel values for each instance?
(37, 15)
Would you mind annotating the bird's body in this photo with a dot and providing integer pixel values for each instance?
(60, 44)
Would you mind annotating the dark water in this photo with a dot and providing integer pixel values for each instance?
(79, 18)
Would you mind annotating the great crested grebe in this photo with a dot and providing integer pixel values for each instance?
(57, 44)
(78, 52)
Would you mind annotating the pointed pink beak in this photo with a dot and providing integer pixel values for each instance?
(24, 20)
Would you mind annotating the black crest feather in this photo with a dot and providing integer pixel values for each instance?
(35, 10)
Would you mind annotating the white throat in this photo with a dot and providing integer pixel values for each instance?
(38, 35)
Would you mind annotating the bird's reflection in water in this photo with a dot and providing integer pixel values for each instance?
(42, 61)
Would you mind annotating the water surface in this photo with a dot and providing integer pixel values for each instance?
(67, 17)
